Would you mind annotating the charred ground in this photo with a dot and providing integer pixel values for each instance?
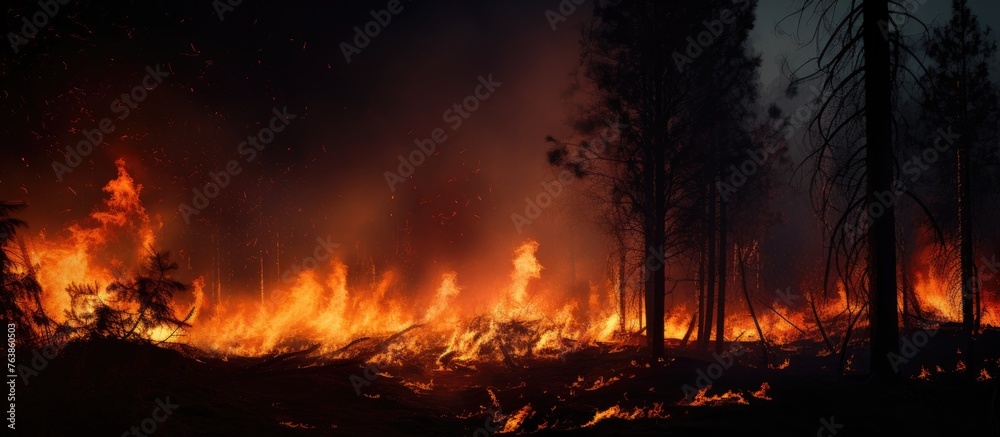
(107, 386)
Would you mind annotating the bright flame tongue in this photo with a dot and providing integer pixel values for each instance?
(319, 308)
(116, 239)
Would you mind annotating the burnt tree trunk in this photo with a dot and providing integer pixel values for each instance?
(706, 331)
(657, 252)
(621, 289)
(746, 293)
(701, 289)
(969, 280)
(720, 330)
(879, 171)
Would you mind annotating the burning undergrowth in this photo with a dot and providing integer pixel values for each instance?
(457, 324)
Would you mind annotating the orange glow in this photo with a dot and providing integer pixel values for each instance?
(726, 398)
(616, 412)
(459, 320)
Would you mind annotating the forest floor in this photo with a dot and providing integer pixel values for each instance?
(106, 388)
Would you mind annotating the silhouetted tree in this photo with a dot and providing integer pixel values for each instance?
(20, 295)
(129, 309)
(90, 316)
(859, 59)
(633, 57)
(960, 93)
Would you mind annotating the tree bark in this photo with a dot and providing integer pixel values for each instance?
(879, 169)
(969, 280)
(655, 323)
(706, 331)
(720, 331)
(753, 314)
(621, 289)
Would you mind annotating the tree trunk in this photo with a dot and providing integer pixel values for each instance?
(690, 329)
(701, 290)
(706, 331)
(720, 331)
(655, 324)
(905, 313)
(621, 289)
(653, 228)
(879, 170)
(969, 280)
(753, 315)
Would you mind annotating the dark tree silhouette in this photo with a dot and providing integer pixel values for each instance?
(20, 294)
(92, 317)
(132, 308)
(860, 60)
(960, 93)
(656, 169)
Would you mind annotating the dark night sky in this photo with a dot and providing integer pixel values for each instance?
(324, 175)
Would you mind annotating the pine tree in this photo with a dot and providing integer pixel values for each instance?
(960, 93)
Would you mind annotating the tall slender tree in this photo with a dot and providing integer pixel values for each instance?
(959, 92)
(859, 59)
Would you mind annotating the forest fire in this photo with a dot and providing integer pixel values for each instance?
(511, 320)
(317, 307)
(318, 313)
(624, 219)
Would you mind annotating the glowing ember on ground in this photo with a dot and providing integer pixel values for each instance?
(515, 420)
(983, 375)
(616, 412)
(727, 398)
(924, 373)
(762, 392)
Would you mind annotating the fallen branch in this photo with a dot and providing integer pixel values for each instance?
(279, 358)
